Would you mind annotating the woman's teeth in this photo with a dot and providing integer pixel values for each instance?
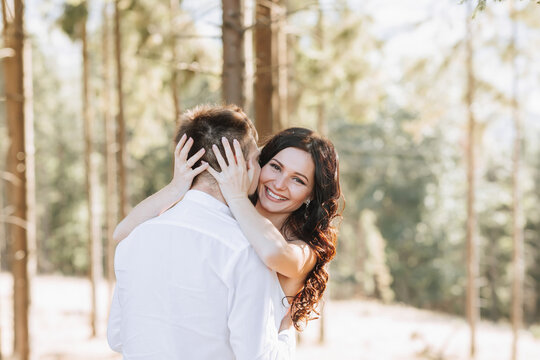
(274, 196)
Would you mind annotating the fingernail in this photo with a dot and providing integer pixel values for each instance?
(223, 138)
(235, 140)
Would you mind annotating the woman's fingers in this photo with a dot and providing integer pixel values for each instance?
(180, 145)
(199, 169)
(192, 160)
(239, 155)
(213, 172)
(228, 151)
(182, 155)
(219, 157)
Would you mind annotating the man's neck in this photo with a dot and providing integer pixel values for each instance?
(210, 189)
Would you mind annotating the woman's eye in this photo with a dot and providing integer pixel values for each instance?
(274, 166)
(299, 181)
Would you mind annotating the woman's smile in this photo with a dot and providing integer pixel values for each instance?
(273, 196)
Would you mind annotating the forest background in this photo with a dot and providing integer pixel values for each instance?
(432, 105)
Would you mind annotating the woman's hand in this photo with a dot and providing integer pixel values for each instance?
(183, 172)
(234, 179)
(169, 195)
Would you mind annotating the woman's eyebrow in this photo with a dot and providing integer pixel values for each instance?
(296, 173)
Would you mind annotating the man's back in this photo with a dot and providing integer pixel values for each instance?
(189, 286)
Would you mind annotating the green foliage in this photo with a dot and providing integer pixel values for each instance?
(149, 109)
(348, 80)
(73, 18)
(385, 170)
(401, 151)
(61, 196)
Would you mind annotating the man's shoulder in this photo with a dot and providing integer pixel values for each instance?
(190, 219)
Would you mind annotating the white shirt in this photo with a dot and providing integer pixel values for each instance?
(189, 286)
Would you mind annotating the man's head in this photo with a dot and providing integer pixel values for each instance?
(207, 124)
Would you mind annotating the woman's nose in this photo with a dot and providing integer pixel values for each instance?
(279, 183)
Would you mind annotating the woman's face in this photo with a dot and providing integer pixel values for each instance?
(286, 181)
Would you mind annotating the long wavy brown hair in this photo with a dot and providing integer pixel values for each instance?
(314, 222)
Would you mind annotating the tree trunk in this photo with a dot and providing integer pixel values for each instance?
(16, 167)
(173, 12)
(91, 187)
(319, 40)
(321, 129)
(517, 217)
(120, 121)
(30, 163)
(359, 258)
(263, 86)
(233, 53)
(3, 240)
(382, 278)
(279, 61)
(472, 261)
(110, 147)
(492, 275)
(293, 92)
(322, 319)
(249, 16)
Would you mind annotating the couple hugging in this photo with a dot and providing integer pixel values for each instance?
(223, 261)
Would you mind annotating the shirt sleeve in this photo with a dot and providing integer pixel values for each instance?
(252, 323)
(113, 326)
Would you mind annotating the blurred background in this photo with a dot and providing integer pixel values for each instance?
(433, 105)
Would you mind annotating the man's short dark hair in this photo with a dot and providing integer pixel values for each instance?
(207, 124)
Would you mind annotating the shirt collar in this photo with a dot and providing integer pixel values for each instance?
(207, 200)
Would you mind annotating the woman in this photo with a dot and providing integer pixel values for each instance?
(290, 227)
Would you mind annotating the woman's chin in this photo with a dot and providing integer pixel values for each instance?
(269, 205)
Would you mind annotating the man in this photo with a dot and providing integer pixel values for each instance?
(189, 285)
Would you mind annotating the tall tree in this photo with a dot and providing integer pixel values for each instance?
(94, 228)
(30, 162)
(280, 66)
(233, 73)
(120, 121)
(319, 40)
(73, 23)
(376, 246)
(12, 16)
(3, 238)
(321, 128)
(263, 86)
(249, 16)
(517, 218)
(359, 257)
(472, 261)
(110, 146)
(174, 9)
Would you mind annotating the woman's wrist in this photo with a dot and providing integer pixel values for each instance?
(175, 190)
(238, 201)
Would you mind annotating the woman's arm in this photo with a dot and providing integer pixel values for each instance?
(292, 259)
(169, 195)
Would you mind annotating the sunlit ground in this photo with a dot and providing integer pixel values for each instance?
(354, 329)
